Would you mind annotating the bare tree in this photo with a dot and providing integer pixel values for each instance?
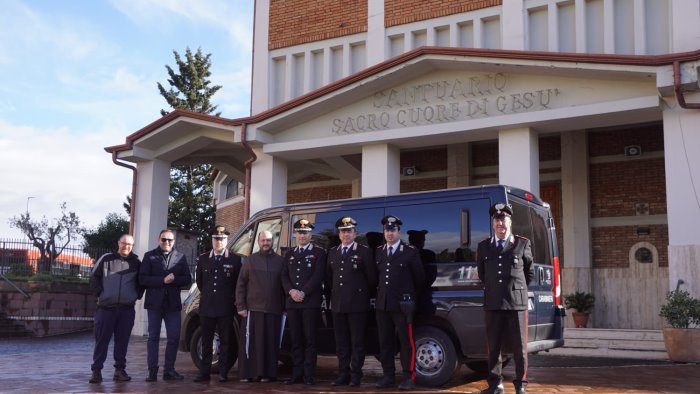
(50, 238)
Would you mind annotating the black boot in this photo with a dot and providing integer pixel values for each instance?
(96, 376)
(120, 375)
(152, 375)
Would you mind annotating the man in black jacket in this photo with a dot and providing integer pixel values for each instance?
(401, 278)
(217, 273)
(164, 271)
(114, 281)
(504, 264)
(302, 277)
(350, 276)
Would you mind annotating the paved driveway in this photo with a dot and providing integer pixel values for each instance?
(62, 364)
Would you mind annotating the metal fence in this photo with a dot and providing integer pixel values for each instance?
(22, 258)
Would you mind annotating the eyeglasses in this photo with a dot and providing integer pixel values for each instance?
(167, 240)
(125, 243)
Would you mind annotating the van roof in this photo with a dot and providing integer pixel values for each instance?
(497, 193)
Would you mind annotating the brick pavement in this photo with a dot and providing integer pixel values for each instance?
(62, 364)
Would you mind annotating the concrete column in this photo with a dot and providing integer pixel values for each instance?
(376, 51)
(268, 185)
(685, 29)
(380, 170)
(518, 159)
(576, 273)
(513, 25)
(682, 161)
(357, 188)
(457, 165)
(261, 60)
(150, 216)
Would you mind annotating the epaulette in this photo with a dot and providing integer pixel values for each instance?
(411, 246)
(520, 236)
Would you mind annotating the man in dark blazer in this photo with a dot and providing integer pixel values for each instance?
(504, 264)
(351, 274)
(164, 271)
(401, 278)
(216, 276)
(302, 278)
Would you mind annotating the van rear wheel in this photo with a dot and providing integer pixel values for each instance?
(436, 357)
(196, 350)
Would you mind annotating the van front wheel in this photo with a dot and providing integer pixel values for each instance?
(436, 358)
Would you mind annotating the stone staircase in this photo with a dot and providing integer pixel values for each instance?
(12, 329)
(597, 342)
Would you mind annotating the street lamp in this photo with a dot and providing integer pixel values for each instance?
(28, 198)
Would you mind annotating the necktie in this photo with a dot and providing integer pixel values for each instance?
(391, 251)
(217, 258)
(500, 245)
(345, 249)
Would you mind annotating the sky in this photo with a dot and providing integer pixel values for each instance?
(77, 76)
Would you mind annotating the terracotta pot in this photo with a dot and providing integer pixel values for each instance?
(580, 319)
(682, 344)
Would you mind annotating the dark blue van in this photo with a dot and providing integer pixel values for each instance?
(448, 225)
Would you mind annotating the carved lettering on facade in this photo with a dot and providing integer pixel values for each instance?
(444, 101)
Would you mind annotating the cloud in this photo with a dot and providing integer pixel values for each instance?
(52, 166)
(218, 14)
(22, 29)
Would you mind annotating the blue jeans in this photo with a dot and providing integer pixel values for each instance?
(172, 329)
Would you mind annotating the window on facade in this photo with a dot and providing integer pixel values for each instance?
(233, 189)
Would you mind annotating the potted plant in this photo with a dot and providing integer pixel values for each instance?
(583, 303)
(682, 338)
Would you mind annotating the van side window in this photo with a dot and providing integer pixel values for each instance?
(521, 220)
(325, 233)
(248, 240)
(540, 241)
(447, 235)
(272, 225)
(243, 244)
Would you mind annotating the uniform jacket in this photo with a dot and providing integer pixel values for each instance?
(505, 275)
(216, 282)
(350, 279)
(114, 280)
(304, 271)
(259, 287)
(400, 274)
(154, 268)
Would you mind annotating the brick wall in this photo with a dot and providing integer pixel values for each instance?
(399, 12)
(611, 245)
(425, 160)
(606, 143)
(617, 187)
(419, 185)
(231, 216)
(294, 22)
(319, 193)
(550, 148)
(484, 154)
(53, 307)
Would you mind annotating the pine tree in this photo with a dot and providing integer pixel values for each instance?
(190, 204)
(190, 88)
